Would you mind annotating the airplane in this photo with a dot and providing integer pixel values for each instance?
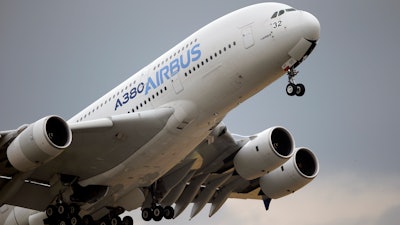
(157, 140)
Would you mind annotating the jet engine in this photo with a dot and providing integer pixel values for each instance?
(264, 152)
(39, 143)
(298, 171)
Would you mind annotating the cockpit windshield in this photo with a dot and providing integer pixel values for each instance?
(281, 12)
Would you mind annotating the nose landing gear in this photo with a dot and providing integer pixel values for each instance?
(292, 88)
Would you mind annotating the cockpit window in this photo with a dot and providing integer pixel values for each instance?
(280, 12)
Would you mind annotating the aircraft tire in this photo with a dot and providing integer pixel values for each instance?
(169, 212)
(50, 211)
(87, 220)
(147, 214)
(62, 210)
(158, 213)
(75, 220)
(291, 89)
(127, 220)
(115, 220)
(300, 90)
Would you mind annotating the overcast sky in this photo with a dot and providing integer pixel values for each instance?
(56, 57)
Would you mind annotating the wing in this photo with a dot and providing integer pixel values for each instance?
(261, 166)
(213, 180)
(113, 138)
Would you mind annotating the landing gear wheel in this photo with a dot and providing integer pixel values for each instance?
(158, 213)
(87, 220)
(147, 214)
(169, 212)
(62, 222)
(75, 220)
(115, 221)
(61, 209)
(300, 90)
(50, 211)
(127, 220)
(74, 209)
(104, 222)
(291, 89)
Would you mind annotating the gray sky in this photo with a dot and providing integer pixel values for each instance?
(56, 57)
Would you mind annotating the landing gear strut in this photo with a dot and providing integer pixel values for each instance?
(292, 88)
(152, 210)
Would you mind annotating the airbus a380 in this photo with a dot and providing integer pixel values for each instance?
(156, 141)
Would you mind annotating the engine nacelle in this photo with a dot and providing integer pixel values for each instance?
(17, 215)
(263, 153)
(301, 169)
(39, 143)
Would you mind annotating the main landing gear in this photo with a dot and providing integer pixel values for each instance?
(157, 213)
(292, 88)
(68, 214)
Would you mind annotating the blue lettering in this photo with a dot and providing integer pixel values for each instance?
(196, 53)
(158, 78)
(174, 67)
(163, 73)
(150, 82)
(166, 72)
(185, 65)
(117, 104)
(133, 93)
(130, 95)
(126, 98)
(140, 88)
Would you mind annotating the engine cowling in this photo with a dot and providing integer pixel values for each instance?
(264, 152)
(301, 169)
(17, 215)
(39, 143)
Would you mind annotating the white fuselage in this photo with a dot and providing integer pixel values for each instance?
(202, 79)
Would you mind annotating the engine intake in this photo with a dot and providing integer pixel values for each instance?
(301, 169)
(264, 152)
(39, 143)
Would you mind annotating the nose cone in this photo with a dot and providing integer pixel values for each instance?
(311, 27)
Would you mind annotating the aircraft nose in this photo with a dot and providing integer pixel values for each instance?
(311, 26)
